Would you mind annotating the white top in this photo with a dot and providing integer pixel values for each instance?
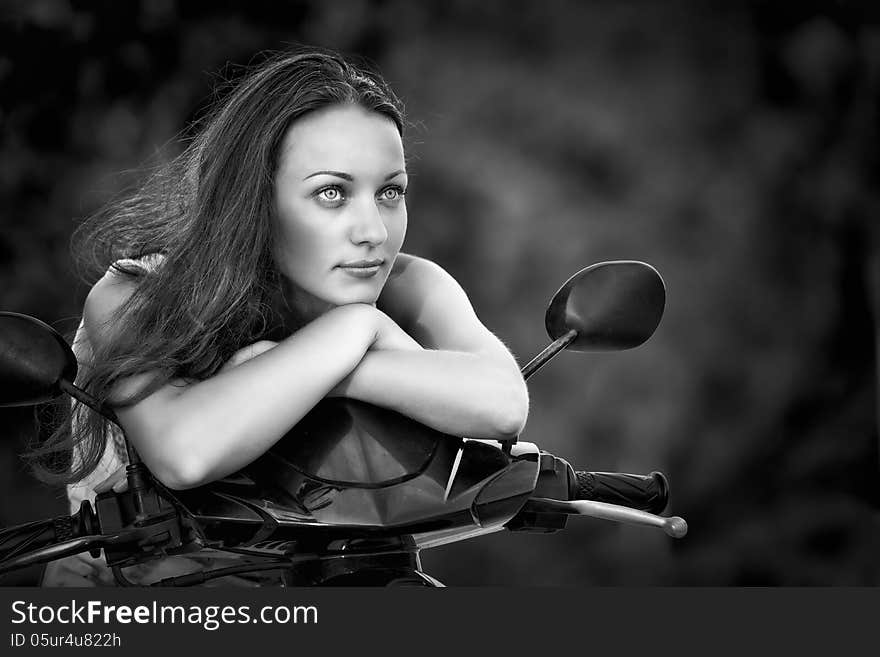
(114, 456)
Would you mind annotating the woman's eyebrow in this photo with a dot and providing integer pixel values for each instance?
(347, 176)
(338, 174)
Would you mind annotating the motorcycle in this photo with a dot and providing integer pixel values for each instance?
(353, 492)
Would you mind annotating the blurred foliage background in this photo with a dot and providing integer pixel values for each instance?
(734, 147)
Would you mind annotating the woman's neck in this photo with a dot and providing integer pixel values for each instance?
(299, 307)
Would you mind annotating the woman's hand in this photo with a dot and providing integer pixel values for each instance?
(117, 481)
(463, 380)
(389, 337)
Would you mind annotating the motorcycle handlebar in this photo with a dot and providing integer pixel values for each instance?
(645, 492)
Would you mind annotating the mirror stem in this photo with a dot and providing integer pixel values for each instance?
(137, 473)
(85, 398)
(549, 352)
(138, 476)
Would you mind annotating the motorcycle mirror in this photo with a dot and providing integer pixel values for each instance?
(609, 306)
(36, 363)
(612, 306)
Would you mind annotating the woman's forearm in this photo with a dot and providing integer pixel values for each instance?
(459, 393)
(213, 427)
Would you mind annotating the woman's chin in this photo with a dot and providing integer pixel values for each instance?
(363, 293)
(369, 299)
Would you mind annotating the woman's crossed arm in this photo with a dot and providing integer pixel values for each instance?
(446, 370)
(454, 374)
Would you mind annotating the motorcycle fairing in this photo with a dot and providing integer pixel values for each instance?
(352, 469)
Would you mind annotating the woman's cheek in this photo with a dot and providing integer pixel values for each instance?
(400, 230)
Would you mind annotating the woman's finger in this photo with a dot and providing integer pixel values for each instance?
(112, 481)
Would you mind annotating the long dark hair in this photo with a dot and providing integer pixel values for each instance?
(210, 212)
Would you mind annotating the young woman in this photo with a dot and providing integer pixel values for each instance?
(261, 272)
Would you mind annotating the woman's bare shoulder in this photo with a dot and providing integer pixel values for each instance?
(413, 281)
(401, 294)
(110, 292)
(102, 311)
(411, 271)
(401, 263)
(104, 301)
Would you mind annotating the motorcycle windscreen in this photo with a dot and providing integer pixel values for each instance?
(351, 444)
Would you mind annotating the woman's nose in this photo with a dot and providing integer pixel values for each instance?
(368, 226)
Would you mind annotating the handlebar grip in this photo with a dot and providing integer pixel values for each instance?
(645, 492)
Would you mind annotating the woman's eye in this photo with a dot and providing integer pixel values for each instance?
(391, 194)
(329, 195)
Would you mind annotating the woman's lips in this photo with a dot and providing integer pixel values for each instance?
(362, 268)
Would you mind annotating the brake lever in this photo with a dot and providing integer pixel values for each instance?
(674, 526)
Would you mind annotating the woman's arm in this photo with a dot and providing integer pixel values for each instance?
(458, 378)
(192, 433)
(465, 394)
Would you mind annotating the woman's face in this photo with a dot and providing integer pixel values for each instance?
(340, 206)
